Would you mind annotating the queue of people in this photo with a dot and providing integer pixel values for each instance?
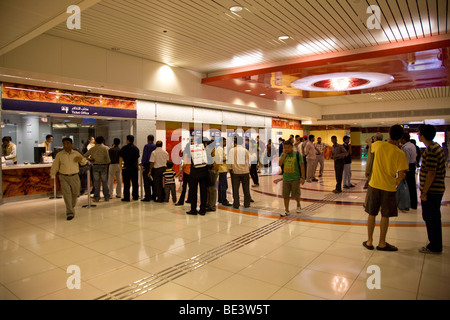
(203, 164)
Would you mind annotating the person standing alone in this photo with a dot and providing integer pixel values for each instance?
(67, 163)
(293, 176)
(347, 164)
(338, 154)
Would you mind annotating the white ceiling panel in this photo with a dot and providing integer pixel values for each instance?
(204, 36)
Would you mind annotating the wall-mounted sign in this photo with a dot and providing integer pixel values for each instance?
(287, 124)
(46, 100)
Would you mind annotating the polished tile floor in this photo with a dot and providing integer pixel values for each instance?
(153, 251)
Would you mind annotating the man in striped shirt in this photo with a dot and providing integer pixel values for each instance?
(432, 187)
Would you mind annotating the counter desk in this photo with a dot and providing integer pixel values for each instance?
(27, 181)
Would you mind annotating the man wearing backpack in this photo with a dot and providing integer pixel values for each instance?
(293, 176)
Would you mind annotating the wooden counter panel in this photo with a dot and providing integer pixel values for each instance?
(30, 181)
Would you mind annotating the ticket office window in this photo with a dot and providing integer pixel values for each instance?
(28, 131)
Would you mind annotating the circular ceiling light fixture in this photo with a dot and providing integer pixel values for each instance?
(342, 81)
(283, 38)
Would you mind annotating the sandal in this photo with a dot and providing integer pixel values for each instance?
(367, 247)
(387, 247)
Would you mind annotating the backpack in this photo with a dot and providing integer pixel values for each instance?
(403, 200)
(298, 155)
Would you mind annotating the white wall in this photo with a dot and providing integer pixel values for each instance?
(149, 110)
(301, 108)
(437, 103)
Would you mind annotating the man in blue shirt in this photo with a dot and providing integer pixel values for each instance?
(145, 167)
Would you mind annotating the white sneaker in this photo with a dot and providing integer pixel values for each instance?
(299, 210)
(285, 214)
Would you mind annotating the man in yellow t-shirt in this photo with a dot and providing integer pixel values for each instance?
(388, 171)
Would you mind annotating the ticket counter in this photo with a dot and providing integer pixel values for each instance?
(29, 114)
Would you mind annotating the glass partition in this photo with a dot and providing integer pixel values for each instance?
(28, 130)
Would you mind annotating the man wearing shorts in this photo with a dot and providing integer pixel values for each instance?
(389, 169)
(293, 175)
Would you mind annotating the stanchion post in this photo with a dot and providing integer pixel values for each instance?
(89, 190)
(141, 182)
(54, 190)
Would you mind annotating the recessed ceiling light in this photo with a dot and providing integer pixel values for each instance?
(236, 9)
(248, 90)
(262, 94)
(283, 37)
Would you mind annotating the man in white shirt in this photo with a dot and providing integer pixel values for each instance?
(46, 144)
(238, 163)
(198, 176)
(296, 145)
(320, 148)
(221, 159)
(158, 164)
(410, 151)
(302, 151)
(67, 164)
